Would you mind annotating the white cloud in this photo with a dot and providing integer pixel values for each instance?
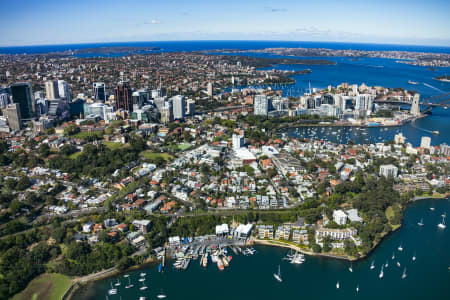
(153, 22)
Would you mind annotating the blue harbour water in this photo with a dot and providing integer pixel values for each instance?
(251, 277)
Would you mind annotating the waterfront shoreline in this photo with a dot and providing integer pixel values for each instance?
(79, 282)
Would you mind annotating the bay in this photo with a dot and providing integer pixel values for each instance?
(250, 277)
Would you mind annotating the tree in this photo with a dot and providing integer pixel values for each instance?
(67, 149)
(71, 129)
(316, 248)
(44, 150)
(23, 183)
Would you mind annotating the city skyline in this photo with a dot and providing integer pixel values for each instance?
(52, 22)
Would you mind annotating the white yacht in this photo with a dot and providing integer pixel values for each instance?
(351, 267)
(278, 275)
(129, 285)
(381, 272)
(420, 223)
(143, 287)
(337, 285)
(404, 273)
(442, 224)
(161, 295)
(400, 248)
(357, 288)
(112, 291)
(372, 266)
(386, 264)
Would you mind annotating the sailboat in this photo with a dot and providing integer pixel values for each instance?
(143, 287)
(400, 248)
(414, 257)
(161, 295)
(351, 267)
(372, 266)
(442, 224)
(337, 285)
(420, 223)
(117, 283)
(129, 285)
(357, 288)
(112, 291)
(278, 276)
(381, 272)
(404, 273)
(393, 255)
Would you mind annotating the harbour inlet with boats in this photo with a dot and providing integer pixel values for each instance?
(414, 263)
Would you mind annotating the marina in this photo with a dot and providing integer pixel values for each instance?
(428, 274)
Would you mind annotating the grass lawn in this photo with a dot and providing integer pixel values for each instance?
(46, 286)
(152, 155)
(184, 146)
(113, 145)
(85, 134)
(74, 155)
(389, 214)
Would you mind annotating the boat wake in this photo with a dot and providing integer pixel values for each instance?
(422, 129)
(434, 88)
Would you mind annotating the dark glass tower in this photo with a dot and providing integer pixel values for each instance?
(122, 96)
(22, 93)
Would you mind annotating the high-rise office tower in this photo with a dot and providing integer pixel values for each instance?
(179, 107)
(425, 142)
(51, 89)
(22, 93)
(4, 100)
(209, 89)
(261, 105)
(167, 113)
(238, 141)
(12, 114)
(190, 107)
(64, 90)
(99, 91)
(122, 96)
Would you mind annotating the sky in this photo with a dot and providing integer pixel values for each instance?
(40, 22)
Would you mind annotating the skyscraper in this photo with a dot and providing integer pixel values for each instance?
(4, 100)
(64, 90)
(425, 142)
(99, 91)
(51, 89)
(209, 89)
(179, 107)
(190, 107)
(238, 141)
(122, 96)
(261, 105)
(22, 94)
(12, 114)
(167, 113)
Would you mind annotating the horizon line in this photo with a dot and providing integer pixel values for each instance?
(231, 40)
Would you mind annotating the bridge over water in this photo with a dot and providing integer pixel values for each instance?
(428, 104)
